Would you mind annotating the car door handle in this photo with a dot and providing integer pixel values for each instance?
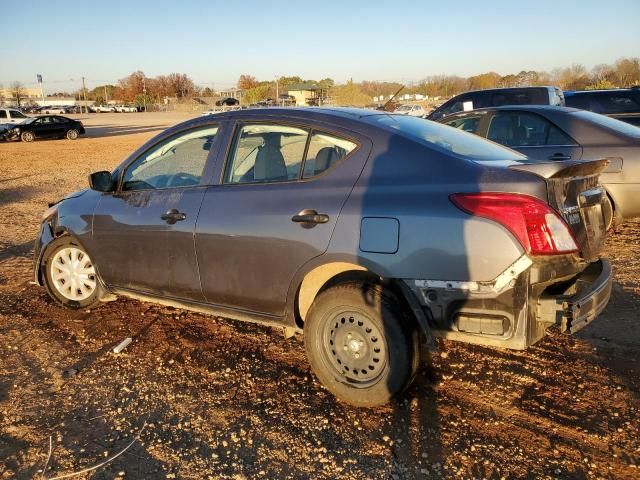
(172, 216)
(310, 216)
(560, 156)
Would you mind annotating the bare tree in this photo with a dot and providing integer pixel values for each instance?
(18, 92)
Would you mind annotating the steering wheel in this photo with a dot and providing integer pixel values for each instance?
(182, 179)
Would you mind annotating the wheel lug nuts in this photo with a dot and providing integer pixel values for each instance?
(346, 348)
(357, 355)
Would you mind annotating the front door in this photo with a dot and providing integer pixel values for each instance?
(282, 191)
(143, 233)
(533, 135)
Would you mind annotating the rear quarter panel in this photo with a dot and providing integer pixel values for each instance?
(409, 182)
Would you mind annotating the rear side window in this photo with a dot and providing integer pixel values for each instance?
(267, 153)
(520, 129)
(279, 153)
(468, 124)
(324, 152)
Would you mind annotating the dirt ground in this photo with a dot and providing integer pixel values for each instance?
(197, 397)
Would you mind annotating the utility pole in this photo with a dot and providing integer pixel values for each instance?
(106, 96)
(84, 93)
(277, 91)
(144, 93)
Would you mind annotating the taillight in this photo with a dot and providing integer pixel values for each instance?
(534, 223)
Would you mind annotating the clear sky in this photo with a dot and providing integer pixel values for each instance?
(214, 42)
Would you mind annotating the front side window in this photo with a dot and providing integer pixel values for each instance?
(267, 153)
(17, 114)
(3, 114)
(468, 124)
(176, 162)
(60, 120)
(519, 129)
(44, 121)
(324, 152)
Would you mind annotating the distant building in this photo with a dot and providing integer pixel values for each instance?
(29, 95)
(232, 92)
(307, 94)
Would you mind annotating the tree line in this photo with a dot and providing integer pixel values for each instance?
(138, 88)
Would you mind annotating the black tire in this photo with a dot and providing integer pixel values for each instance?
(72, 134)
(48, 269)
(361, 344)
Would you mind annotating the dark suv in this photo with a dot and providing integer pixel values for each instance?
(620, 103)
(497, 97)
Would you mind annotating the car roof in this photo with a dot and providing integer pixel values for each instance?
(602, 90)
(501, 89)
(527, 108)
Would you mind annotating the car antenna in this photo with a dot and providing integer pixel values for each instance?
(384, 107)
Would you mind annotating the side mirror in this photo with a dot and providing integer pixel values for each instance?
(101, 181)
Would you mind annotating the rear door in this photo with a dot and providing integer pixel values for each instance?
(533, 135)
(281, 192)
(143, 233)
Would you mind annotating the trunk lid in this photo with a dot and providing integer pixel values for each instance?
(574, 191)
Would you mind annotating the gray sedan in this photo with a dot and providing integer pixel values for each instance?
(366, 231)
(545, 133)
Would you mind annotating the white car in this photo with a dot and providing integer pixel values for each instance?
(11, 116)
(125, 108)
(210, 112)
(411, 110)
(104, 108)
(54, 110)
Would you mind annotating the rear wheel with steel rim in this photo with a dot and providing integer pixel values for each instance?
(72, 134)
(361, 344)
(70, 276)
(27, 136)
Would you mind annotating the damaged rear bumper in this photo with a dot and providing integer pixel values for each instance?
(516, 308)
(575, 312)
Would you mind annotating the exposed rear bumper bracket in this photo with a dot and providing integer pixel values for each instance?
(574, 313)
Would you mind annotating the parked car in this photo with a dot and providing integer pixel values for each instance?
(125, 108)
(496, 97)
(104, 108)
(412, 110)
(54, 109)
(364, 230)
(10, 117)
(560, 133)
(228, 102)
(46, 126)
(620, 103)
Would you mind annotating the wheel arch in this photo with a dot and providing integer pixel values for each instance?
(325, 275)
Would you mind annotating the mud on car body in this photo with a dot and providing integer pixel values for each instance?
(366, 231)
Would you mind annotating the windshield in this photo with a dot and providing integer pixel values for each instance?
(403, 108)
(617, 126)
(29, 120)
(449, 139)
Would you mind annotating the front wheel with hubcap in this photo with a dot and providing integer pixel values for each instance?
(72, 134)
(27, 136)
(70, 276)
(361, 344)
